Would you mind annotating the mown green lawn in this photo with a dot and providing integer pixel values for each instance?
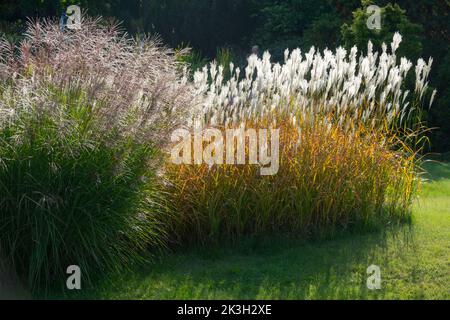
(414, 261)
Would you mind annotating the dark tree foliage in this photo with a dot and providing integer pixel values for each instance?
(203, 24)
(393, 19)
(434, 16)
(300, 23)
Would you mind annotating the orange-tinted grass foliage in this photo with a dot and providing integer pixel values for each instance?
(329, 179)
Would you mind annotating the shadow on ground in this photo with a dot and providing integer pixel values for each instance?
(262, 269)
(413, 261)
(435, 170)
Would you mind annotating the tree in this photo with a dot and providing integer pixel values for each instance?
(393, 19)
(299, 23)
(440, 113)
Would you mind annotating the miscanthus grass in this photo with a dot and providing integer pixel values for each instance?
(368, 89)
(86, 115)
(350, 134)
(82, 117)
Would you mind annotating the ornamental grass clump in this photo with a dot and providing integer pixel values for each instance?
(82, 117)
(350, 134)
(327, 181)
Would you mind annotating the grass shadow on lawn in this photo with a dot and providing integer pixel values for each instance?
(436, 170)
(263, 268)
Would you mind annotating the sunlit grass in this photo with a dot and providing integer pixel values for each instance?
(414, 262)
(329, 180)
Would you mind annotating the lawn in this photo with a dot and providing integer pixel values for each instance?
(414, 261)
